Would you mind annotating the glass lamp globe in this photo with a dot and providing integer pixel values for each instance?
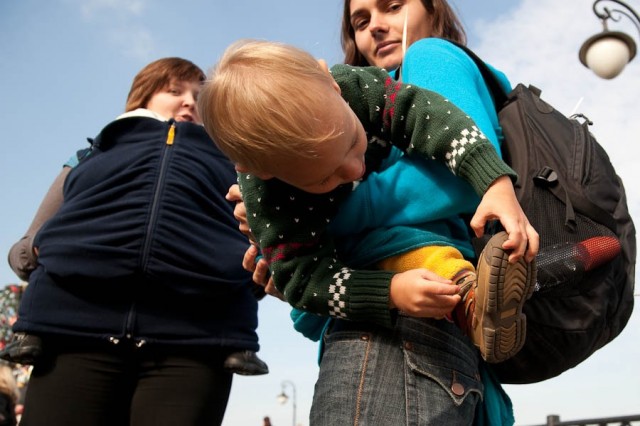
(607, 53)
(282, 398)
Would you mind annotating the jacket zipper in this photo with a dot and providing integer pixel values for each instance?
(156, 194)
(151, 225)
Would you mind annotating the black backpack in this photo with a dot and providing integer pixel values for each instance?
(573, 197)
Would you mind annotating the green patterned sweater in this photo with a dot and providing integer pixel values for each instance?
(290, 225)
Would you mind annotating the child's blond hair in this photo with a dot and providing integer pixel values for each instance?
(259, 104)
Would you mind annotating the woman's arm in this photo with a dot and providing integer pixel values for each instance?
(22, 255)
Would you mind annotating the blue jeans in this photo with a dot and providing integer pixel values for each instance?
(423, 372)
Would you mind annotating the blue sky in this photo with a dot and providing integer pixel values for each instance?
(66, 67)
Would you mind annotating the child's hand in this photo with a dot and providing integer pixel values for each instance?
(500, 202)
(422, 293)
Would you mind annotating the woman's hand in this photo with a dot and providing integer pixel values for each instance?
(260, 271)
(239, 211)
(500, 202)
(250, 261)
(23, 257)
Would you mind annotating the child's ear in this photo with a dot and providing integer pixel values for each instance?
(323, 65)
(336, 87)
(325, 68)
(242, 169)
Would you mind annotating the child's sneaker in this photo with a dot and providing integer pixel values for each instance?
(22, 349)
(246, 363)
(491, 307)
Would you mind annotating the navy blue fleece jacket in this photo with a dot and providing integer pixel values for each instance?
(145, 244)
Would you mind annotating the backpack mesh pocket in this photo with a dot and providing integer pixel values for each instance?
(569, 259)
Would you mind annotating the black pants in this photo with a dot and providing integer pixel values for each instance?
(121, 385)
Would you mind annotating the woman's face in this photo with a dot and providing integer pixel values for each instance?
(177, 101)
(378, 26)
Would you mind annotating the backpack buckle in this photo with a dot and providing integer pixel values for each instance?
(546, 177)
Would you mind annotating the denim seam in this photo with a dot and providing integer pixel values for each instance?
(365, 362)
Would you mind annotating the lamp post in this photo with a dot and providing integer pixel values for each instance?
(607, 53)
(283, 397)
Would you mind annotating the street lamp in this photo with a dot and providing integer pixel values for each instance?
(283, 397)
(607, 53)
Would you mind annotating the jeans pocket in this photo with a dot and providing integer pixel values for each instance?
(456, 376)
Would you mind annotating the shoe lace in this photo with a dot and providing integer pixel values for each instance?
(464, 314)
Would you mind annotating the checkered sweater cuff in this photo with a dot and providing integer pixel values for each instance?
(369, 297)
(482, 167)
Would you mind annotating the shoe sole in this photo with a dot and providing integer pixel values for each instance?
(258, 371)
(245, 369)
(25, 356)
(501, 329)
(248, 372)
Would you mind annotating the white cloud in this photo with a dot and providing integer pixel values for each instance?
(91, 8)
(122, 23)
(135, 42)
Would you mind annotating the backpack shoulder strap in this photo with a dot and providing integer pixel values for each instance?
(498, 94)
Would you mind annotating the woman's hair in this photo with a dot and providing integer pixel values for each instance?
(443, 20)
(258, 104)
(158, 75)
(8, 384)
